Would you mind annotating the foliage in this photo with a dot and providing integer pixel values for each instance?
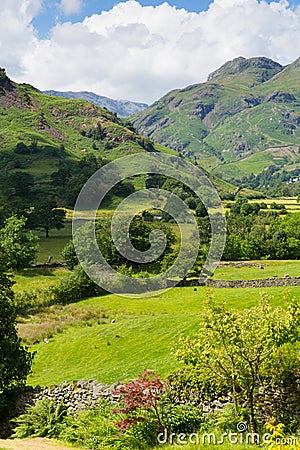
(278, 439)
(139, 232)
(68, 253)
(253, 234)
(21, 182)
(46, 216)
(229, 417)
(18, 246)
(236, 348)
(15, 360)
(92, 428)
(189, 385)
(181, 418)
(76, 286)
(139, 398)
(146, 410)
(43, 419)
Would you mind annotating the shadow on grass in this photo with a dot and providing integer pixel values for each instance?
(36, 272)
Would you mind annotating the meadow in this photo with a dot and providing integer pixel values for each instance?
(84, 343)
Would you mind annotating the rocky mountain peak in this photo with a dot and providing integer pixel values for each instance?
(241, 64)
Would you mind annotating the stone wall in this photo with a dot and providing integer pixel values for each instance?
(257, 283)
(76, 395)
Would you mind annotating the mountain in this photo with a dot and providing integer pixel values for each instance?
(53, 140)
(245, 118)
(123, 108)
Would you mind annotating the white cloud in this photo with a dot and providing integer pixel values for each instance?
(17, 35)
(140, 53)
(70, 6)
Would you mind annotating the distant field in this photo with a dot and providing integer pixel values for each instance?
(39, 278)
(289, 202)
(53, 245)
(141, 337)
(57, 239)
(257, 269)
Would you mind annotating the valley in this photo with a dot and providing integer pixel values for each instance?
(198, 342)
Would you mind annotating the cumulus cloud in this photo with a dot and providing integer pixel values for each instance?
(16, 32)
(70, 6)
(140, 53)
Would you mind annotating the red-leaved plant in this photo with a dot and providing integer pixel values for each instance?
(140, 401)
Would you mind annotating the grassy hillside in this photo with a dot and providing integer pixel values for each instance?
(141, 337)
(244, 118)
(61, 128)
(40, 134)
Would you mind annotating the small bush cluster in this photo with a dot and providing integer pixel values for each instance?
(74, 287)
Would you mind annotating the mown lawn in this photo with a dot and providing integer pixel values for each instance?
(144, 332)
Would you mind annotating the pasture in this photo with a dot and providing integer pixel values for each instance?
(142, 335)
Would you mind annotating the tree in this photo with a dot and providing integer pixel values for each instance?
(201, 210)
(22, 182)
(61, 177)
(139, 396)
(15, 360)
(139, 232)
(69, 255)
(238, 348)
(47, 216)
(17, 246)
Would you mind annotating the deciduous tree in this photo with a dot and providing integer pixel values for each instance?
(238, 348)
(17, 245)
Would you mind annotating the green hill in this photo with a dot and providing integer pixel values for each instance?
(42, 135)
(245, 118)
(61, 126)
(123, 108)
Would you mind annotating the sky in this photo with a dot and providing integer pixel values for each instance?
(139, 50)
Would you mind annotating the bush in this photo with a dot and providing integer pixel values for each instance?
(184, 418)
(91, 428)
(68, 253)
(44, 419)
(76, 286)
(18, 246)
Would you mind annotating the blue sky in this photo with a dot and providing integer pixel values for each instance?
(139, 50)
(51, 13)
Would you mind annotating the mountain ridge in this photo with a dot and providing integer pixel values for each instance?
(123, 108)
(46, 138)
(246, 109)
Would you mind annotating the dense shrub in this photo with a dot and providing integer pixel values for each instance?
(43, 419)
(91, 428)
(72, 288)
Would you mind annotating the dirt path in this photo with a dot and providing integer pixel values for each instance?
(33, 444)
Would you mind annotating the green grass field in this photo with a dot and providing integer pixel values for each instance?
(53, 245)
(141, 337)
(37, 278)
(257, 269)
(83, 343)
